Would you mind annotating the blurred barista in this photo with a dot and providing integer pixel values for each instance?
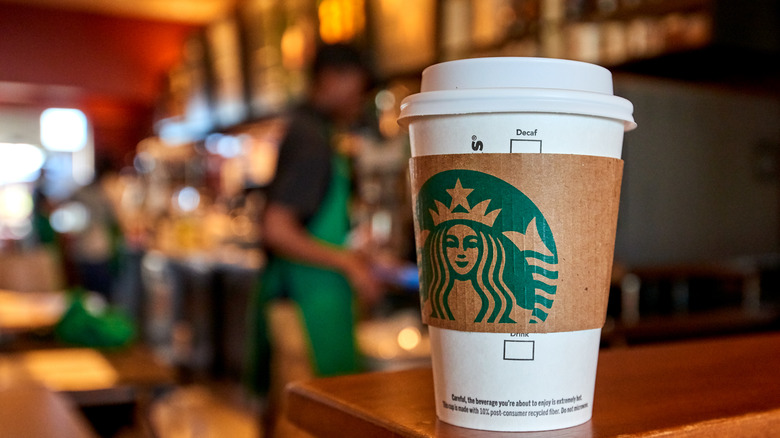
(305, 307)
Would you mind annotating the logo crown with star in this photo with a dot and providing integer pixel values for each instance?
(460, 209)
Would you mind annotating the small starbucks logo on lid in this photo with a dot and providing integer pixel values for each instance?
(486, 244)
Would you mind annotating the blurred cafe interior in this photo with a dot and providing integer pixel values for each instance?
(137, 140)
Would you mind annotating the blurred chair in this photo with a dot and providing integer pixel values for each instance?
(661, 303)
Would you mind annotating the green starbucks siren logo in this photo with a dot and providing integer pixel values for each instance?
(487, 235)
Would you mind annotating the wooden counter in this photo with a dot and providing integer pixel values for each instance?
(29, 410)
(90, 377)
(48, 392)
(725, 387)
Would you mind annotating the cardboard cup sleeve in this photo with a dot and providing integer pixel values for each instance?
(515, 243)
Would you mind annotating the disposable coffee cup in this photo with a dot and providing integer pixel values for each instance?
(515, 175)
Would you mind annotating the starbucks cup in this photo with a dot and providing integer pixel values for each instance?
(515, 174)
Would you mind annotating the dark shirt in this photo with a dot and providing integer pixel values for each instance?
(304, 166)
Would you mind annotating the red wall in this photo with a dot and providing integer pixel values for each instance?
(111, 68)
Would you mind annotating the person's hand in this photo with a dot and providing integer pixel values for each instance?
(363, 280)
(286, 236)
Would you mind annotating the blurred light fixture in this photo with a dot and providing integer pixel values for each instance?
(71, 217)
(294, 47)
(15, 204)
(409, 338)
(228, 146)
(176, 132)
(385, 100)
(187, 199)
(19, 162)
(340, 20)
(212, 142)
(63, 129)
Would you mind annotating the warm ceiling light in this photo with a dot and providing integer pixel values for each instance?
(340, 20)
(409, 338)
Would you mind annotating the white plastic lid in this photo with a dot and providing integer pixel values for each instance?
(501, 85)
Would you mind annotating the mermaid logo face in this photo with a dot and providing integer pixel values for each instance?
(507, 260)
(462, 246)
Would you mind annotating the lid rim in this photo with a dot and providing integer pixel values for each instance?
(627, 124)
(497, 100)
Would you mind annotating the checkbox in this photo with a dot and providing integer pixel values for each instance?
(518, 350)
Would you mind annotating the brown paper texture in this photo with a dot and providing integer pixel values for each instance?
(515, 243)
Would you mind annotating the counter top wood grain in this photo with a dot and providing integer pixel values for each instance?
(724, 387)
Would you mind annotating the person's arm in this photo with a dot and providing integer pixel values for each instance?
(284, 234)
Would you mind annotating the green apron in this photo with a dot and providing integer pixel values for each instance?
(323, 295)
